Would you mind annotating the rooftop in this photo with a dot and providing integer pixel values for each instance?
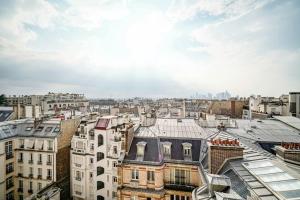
(25, 128)
(173, 128)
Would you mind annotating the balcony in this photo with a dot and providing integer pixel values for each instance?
(20, 160)
(8, 186)
(39, 162)
(21, 146)
(49, 177)
(9, 170)
(39, 176)
(9, 156)
(50, 148)
(30, 175)
(134, 183)
(30, 161)
(20, 189)
(78, 193)
(30, 191)
(49, 163)
(78, 178)
(179, 186)
(20, 175)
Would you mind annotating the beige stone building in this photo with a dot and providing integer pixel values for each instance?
(163, 161)
(33, 154)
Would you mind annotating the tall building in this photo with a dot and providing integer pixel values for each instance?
(95, 153)
(33, 154)
(294, 99)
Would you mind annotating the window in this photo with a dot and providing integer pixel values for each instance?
(10, 195)
(21, 143)
(48, 129)
(49, 174)
(180, 176)
(50, 145)
(91, 160)
(8, 150)
(49, 159)
(99, 197)
(115, 179)
(187, 152)
(134, 174)
(20, 157)
(100, 185)
(115, 150)
(30, 172)
(100, 156)
(115, 164)
(78, 176)
(40, 159)
(30, 185)
(9, 168)
(39, 172)
(21, 197)
(9, 182)
(21, 184)
(100, 170)
(150, 176)
(31, 158)
(39, 186)
(133, 198)
(100, 140)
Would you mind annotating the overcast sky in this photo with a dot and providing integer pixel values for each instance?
(149, 48)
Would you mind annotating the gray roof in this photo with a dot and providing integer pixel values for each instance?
(265, 131)
(153, 150)
(25, 128)
(5, 115)
(174, 128)
(289, 120)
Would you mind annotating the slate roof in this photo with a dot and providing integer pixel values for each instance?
(24, 128)
(5, 115)
(153, 150)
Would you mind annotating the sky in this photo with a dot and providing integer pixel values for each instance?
(170, 48)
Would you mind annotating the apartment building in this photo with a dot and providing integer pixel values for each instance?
(33, 154)
(163, 161)
(95, 153)
(50, 103)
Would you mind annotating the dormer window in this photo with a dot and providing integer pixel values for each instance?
(187, 150)
(167, 149)
(140, 150)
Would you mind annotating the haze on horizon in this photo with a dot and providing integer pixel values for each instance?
(149, 48)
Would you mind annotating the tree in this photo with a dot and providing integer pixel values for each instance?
(3, 100)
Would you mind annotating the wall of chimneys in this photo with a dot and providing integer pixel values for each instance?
(220, 151)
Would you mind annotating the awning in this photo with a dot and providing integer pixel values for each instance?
(29, 144)
(39, 144)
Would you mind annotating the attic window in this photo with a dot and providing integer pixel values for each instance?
(187, 150)
(28, 128)
(167, 149)
(140, 150)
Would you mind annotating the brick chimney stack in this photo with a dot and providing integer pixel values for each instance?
(222, 150)
(289, 152)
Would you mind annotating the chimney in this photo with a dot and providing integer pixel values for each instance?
(222, 150)
(289, 152)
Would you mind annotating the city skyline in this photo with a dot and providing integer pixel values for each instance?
(150, 49)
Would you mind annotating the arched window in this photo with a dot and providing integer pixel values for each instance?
(100, 140)
(100, 185)
(100, 156)
(100, 170)
(99, 197)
